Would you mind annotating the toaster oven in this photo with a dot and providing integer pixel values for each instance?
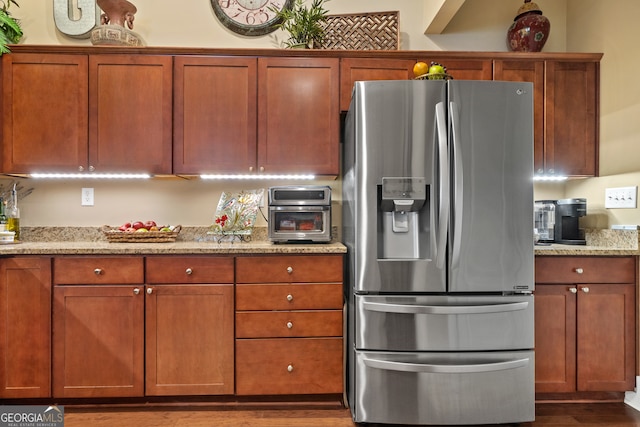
(300, 213)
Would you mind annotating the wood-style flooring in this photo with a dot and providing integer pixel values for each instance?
(547, 415)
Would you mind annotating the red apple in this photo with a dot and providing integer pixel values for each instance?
(149, 224)
(137, 225)
(124, 226)
(130, 230)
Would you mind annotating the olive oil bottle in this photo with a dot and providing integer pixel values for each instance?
(13, 215)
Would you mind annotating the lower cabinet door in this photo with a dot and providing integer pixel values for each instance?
(289, 366)
(189, 339)
(98, 341)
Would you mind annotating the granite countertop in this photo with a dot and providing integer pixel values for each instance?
(191, 240)
(603, 242)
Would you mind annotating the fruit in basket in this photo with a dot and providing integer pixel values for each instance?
(436, 71)
(124, 226)
(138, 225)
(420, 68)
(142, 230)
(166, 229)
(153, 228)
(149, 224)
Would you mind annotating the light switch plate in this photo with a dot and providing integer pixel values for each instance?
(620, 198)
(87, 197)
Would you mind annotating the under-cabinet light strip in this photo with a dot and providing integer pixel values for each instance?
(256, 176)
(91, 175)
(549, 178)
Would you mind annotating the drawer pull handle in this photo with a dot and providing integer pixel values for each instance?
(136, 291)
(189, 271)
(290, 368)
(579, 270)
(573, 290)
(585, 290)
(149, 291)
(289, 270)
(289, 325)
(289, 297)
(98, 271)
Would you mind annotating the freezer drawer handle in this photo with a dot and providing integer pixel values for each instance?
(446, 369)
(445, 309)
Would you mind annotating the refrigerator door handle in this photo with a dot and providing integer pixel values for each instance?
(444, 185)
(444, 309)
(458, 186)
(448, 369)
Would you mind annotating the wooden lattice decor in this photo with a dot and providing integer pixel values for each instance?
(356, 31)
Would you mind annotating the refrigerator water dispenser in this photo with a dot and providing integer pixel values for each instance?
(402, 203)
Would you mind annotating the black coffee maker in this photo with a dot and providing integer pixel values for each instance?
(567, 229)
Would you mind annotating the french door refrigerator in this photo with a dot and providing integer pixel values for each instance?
(438, 223)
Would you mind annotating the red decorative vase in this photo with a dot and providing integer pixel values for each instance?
(530, 29)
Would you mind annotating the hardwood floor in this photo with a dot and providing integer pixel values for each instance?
(547, 415)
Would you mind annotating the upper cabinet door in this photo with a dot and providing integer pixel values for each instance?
(130, 119)
(298, 115)
(572, 117)
(365, 69)
(44, 112)
(528, 71)
(215, 114)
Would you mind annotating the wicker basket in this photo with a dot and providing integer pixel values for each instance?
(114, 235)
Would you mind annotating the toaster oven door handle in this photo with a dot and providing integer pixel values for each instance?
(300, 208)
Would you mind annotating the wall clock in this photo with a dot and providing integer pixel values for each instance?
(249, 17)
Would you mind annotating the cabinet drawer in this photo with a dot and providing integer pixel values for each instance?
(289, 297)
(97, 270)
(289, 366)
(189, 269)
(562, 269)
(289, 269)
(267, 324)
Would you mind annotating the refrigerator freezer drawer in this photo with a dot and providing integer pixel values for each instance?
(444, 388)
(444, 323)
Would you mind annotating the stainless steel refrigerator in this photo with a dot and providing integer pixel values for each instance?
(438, 223)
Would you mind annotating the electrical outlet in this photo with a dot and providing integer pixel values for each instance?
(620, 198)
(87, 197)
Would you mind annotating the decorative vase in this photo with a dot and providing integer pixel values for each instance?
(530, 29)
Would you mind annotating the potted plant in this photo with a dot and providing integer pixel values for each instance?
(10, 30)
(303, 24)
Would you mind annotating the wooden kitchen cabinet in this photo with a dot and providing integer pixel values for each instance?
(98, 327)
(298, 115)
(566, 112)
(45, 112)
(585, 324)
(85, 113)
(215, 114)
(130, 113)
(362, 69)
(25, 327)
(189, 322)
(289, 325)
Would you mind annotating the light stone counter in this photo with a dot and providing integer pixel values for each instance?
(599, 242)
(193, 240)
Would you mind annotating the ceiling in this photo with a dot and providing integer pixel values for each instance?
(438, 13)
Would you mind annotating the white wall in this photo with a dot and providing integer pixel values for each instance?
(480, 25)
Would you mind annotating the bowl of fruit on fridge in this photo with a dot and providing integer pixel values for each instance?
(141, 232)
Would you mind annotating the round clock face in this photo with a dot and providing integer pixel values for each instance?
(249, 17)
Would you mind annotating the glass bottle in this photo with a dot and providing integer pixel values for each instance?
(3, 216)
(13, 215)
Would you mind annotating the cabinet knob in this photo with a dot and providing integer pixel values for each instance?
(290, 368)
(579, 270)
(261, 168)
(97, 271)
(149, 291)
(289, 270)
(136, 291)
(189, 271)
(289, 325)
(80, 168)
(289, 297)
(91, 169)
(250, 168)
(540, 171)
(573, 290)
(585, 289)
(552, 171)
